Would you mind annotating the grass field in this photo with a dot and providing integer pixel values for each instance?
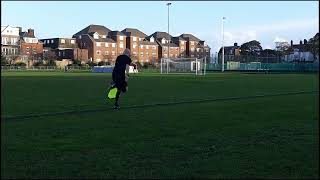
(265, 137)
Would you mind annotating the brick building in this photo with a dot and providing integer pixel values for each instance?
(142, 49)
(30, 45)
(64, 48)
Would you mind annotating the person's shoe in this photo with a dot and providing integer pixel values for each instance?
(116, 107)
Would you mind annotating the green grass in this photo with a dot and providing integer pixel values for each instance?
(269, 137)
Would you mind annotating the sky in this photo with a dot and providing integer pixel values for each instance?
(265, 21)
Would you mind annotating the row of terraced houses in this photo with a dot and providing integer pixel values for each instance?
(97, 43)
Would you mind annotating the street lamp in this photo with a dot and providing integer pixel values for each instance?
(168, 4)
(222, 44)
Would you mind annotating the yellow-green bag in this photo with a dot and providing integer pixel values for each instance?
(112, 93)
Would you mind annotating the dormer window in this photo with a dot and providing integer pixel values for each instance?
(163, 41)
(152, 39)
(96, 36)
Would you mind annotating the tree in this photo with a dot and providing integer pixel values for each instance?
(4, 60)
(269, 55)
(250, 49)
(314, 45)
(49, 55)
(282, 46)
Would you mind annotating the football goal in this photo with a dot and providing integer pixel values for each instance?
(195, 66)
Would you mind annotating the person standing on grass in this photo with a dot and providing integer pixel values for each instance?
(120, 74)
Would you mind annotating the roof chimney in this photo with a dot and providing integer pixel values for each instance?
(20, 29)
(235, 44)
(300, 42)
(291, 43)
(30, 32)
(305, 41)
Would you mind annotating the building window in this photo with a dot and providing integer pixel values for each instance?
(151, 39)
(113, 53)
(104, 36)
(121, 45)
(98, 44)
(98, 52)
(135, 53)
(80, 37)
(192, 49)
(63, 41)
(154, 47)
(95, 36)
(52, 41)
(163, 41)
(154, 54)
(141, 46)
(147, 46)
(106, 53)
(192, 42)
(198, 49)
(113, 44)
(106, 45)
(134, 38)
(134, 46)
(121, 37)
(72, 41)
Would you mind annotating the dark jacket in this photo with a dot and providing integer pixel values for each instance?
(118, 73)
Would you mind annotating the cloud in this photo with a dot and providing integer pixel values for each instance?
(278, 39)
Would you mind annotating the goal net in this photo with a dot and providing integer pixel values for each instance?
(195, 66)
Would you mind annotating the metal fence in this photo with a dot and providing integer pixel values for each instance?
(257, 66)
(46, 68)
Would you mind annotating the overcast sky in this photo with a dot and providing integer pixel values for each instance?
(245, 20)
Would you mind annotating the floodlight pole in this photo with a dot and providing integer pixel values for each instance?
(168, 4)
(222, 44)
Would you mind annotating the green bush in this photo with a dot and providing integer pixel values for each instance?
(20, 64)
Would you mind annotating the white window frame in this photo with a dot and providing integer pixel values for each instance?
(106, 44)
(121, 38)
(98, 52)
(98, 44)
(63, 41)
(134, 38)
(72, 41)
(113, 44)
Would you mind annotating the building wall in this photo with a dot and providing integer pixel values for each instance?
(80, 54)
(31, 49)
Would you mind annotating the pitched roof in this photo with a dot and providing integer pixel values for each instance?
(134, 32)
(26, 34)
(228, 48)
(102, 30)
(114, 33)
(105, 40)
(148, 43)
(166, 45)
(189, 37)
(160, 35)
(178, 38)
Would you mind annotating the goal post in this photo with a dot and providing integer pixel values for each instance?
(195, 66)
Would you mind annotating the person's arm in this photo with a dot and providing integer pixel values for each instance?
(127, 73)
